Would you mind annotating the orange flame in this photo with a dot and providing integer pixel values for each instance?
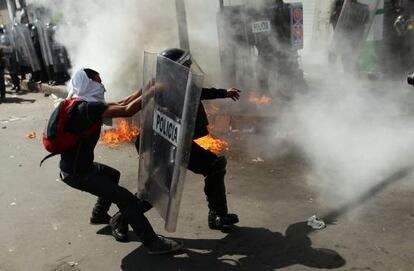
(212, 144)
(125, 132)
(260, 99)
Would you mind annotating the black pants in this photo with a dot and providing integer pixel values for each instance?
(213, 168)
(2, 85)
(102, 181)
(15, 81)
(201, 160)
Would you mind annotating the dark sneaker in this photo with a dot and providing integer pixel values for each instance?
(119, 228)
(217, 222)
(163, 245)
(97, 219)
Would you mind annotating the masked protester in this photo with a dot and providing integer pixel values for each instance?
(202, 161)
(79, 170)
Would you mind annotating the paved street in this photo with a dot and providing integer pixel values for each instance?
(44, 224)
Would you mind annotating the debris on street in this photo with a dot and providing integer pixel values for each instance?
(31, 135)
(316, 223)
(258, 160)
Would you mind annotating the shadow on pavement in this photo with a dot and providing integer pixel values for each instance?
(16, 100)
(331, 217)
(243, 248)
(106, 230)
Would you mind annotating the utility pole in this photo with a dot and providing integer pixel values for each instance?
(182, 25)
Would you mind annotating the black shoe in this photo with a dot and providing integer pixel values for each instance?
(97, 219)
(163, 245)
(119, 228)
(217, 222)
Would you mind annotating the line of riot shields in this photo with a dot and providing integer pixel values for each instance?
(261, 39)
(32, 49)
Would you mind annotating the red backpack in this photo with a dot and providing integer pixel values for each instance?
(56, 138)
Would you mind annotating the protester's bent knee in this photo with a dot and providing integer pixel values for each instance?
(126, 199)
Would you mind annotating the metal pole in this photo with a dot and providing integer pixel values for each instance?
(182, 25)
(221, 4)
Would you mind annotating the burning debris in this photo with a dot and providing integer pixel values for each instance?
(212, 144)
(264, 100)
(31, 135)
(125, 132)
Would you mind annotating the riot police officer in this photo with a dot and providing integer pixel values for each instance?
(349, 33)
(399, 37)
(335, 12)
(11, 64)
(2, 84)
(276, 54)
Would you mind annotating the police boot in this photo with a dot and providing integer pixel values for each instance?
(218, 222)
(119, 228)
(215, 190)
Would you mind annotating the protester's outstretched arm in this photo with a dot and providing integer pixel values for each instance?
(129, 99)
(122, 111)
(136, 94)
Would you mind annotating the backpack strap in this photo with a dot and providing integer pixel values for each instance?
(47, 157)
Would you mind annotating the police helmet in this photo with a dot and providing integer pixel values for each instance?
(180, 56)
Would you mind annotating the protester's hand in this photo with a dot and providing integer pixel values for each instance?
(233, 93)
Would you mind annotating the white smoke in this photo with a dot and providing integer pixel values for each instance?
(355, 132)
(111, 37)
(352, 134)
(354, 137)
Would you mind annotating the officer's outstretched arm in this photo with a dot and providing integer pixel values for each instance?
(233, 93)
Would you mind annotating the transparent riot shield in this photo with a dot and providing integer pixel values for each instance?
(8, 51)
(24, 46)
(171, 95)
(352, 29)
(45, 43)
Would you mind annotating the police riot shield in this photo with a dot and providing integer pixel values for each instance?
(59, 54)
(26, 54)
(9, 55)
(351, 30)
(60, 58)
(45, 43)
(171, 95)
(279, 25)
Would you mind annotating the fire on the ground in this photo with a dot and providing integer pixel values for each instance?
(127, 131)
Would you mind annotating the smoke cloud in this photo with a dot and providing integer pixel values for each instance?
(111, 37)
(352, 132)
(355, 132)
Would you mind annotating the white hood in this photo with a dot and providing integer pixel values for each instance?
(82, 87)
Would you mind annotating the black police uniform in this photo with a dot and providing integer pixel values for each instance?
(204, 162)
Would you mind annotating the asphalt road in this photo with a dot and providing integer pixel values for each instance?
(44, 223)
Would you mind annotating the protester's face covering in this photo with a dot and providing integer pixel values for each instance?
(85, 88)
